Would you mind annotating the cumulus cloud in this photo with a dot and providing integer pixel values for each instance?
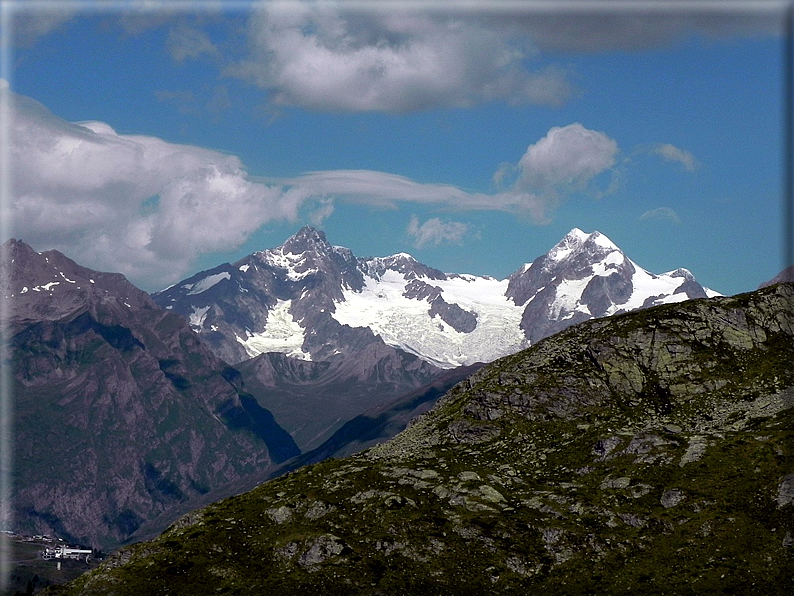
(321, 57)
(436, 231)
(663, 214)
(130, 203)
(565, 161)
(672, 153)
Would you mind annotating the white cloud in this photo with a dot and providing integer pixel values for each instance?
(322, 57)
(672, 153)
(661, 213)
(130, 203)
(436, 231)
(563, 162)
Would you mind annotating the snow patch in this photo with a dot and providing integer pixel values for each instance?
(46, 287)
(206, 283)
(289, 262)
(567, 245)
(198, 315)
(602, 240)
(281, 334)
(244, 268)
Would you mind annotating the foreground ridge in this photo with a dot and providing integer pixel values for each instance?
(646, 453)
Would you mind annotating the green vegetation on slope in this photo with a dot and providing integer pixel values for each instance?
(648, 453)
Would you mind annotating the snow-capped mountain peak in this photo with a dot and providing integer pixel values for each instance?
(307, 239)
(313, 300)
(586, 276)
(570, 242)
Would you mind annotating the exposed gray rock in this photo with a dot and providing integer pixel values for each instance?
(672, 497)
(695, 450)
(785, 491)
(322, 549)
(622, 482)
(458, 318)
(280, 514)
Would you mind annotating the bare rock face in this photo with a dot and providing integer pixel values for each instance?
(120, 410)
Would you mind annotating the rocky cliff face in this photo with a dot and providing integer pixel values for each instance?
(119, 410)
(646, 453)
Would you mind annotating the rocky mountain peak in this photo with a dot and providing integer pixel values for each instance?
(307, 239)
(570, 242)
(401, 262)
(48, 285)
(294, 299)
(682, 272)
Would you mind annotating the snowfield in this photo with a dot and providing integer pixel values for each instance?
(406, 324)
(206, 283)
(281, 334)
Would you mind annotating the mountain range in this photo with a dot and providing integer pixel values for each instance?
(126, 408)
(356, 333)
(649, 452)
(315, 301)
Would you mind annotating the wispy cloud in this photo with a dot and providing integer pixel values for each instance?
(185, 42)
(436, 231)
(32, 21)
(565, 161)
(663, 214)
(672, 153)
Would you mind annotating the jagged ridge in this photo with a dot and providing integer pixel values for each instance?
(306, 297)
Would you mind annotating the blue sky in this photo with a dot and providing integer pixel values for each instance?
(473, 136)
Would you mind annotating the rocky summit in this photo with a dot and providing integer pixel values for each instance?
(646, 453)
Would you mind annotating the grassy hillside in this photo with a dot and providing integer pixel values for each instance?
(646, 453)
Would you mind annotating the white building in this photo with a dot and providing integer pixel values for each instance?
(65, 552)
